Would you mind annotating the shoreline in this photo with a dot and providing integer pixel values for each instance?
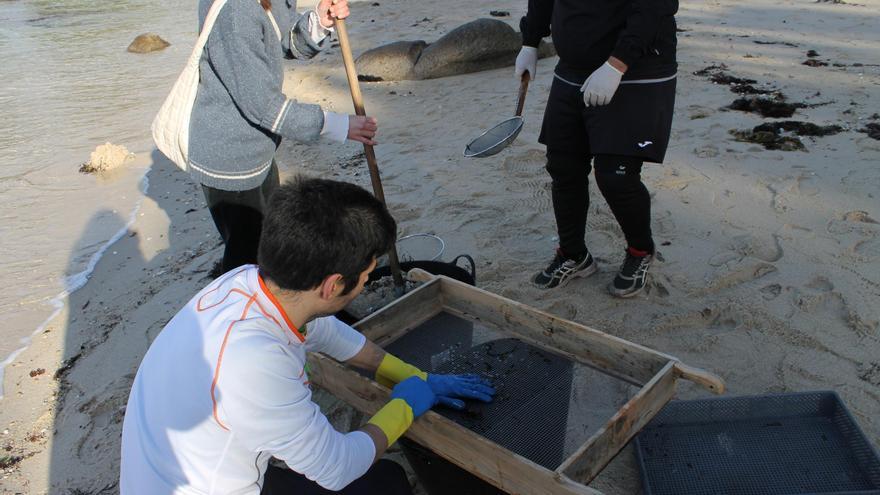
(77, 281)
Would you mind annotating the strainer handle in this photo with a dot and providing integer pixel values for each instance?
(523, 87)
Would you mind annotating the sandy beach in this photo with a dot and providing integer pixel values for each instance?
(769, 260)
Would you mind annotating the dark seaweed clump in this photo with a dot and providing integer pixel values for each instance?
(769, 140)
(768, 107)
(872, 129)
(366, 78)
(739, 85)
(799, 128)
(814, 63)
(770, 134)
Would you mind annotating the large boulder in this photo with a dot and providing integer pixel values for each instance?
(391, 62)
(479, 45)
(148, 42)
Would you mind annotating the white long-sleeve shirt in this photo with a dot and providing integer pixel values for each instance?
(224, 387)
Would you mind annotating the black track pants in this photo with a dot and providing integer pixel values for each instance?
(618, 179)
(384, 478)
(238, 216)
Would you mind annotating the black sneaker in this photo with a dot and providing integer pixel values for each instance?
(563, 269)
(632, 277)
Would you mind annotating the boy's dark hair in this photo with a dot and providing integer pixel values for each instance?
(314, 228)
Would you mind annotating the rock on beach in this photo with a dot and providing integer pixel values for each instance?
(483, 44)
(148, 42)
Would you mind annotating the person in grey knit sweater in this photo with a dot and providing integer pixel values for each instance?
(240, 113)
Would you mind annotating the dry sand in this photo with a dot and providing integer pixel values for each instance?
(768, 271)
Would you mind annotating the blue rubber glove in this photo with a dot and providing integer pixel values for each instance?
(416, 393)
(448, 387)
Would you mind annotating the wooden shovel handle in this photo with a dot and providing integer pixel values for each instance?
(358, 100)
(523, 88)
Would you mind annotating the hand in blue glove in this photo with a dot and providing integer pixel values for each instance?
(447, 387)
(416, 393)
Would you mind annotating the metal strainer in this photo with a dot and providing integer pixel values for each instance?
(498, 137)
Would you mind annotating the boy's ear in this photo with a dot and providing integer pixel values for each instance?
(332, 286)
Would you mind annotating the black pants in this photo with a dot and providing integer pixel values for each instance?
(384, 478)
(238, 216)
(617, 138)
(619, 181)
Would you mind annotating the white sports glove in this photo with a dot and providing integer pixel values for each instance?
(527, 60)
(601, 85)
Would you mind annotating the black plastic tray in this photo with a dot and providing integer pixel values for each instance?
(801, 443)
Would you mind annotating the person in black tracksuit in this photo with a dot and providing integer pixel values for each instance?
(611, 102)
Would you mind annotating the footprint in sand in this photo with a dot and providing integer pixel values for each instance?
(657, 286)
(870, 372)
(868, 144)
(106, 412)
(509, 277)
(697, 112)
(463, 213)
(864, 231)
(738, 273)
(511, 294)
(404, 212)
(725, 200)
(673, 180)
(707, 151)
(820, 284)
(663, 222)
(866, 250)
(819, 299)
(853, 221)
(771, 292)
(728, 318)
(775, 198)
(806, 185)
(536, 197)
(858, 216)
(747, 245)
(526, 164)
(562, 309)
(721, 319)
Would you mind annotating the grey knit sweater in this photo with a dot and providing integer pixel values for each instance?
(240, 113)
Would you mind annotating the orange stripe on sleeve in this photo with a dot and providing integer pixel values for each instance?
(220, 358)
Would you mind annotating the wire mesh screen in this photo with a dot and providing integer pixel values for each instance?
(545, 407)
(804, 443)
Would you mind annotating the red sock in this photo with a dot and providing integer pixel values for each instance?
(635, 252)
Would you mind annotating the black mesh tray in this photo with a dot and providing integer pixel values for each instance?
(802, 443)
(530, 411)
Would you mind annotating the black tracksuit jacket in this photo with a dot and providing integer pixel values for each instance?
(641, 33)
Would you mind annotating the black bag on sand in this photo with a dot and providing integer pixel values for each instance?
(449, 269)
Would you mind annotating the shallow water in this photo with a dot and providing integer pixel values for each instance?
(67, 85)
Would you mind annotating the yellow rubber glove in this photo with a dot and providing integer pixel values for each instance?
(393, 419)
(393, 371)
(409, 399)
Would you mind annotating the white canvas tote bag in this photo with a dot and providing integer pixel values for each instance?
(171, 125)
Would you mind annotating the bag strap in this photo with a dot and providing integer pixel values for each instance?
(213, 12)
(274, 24)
